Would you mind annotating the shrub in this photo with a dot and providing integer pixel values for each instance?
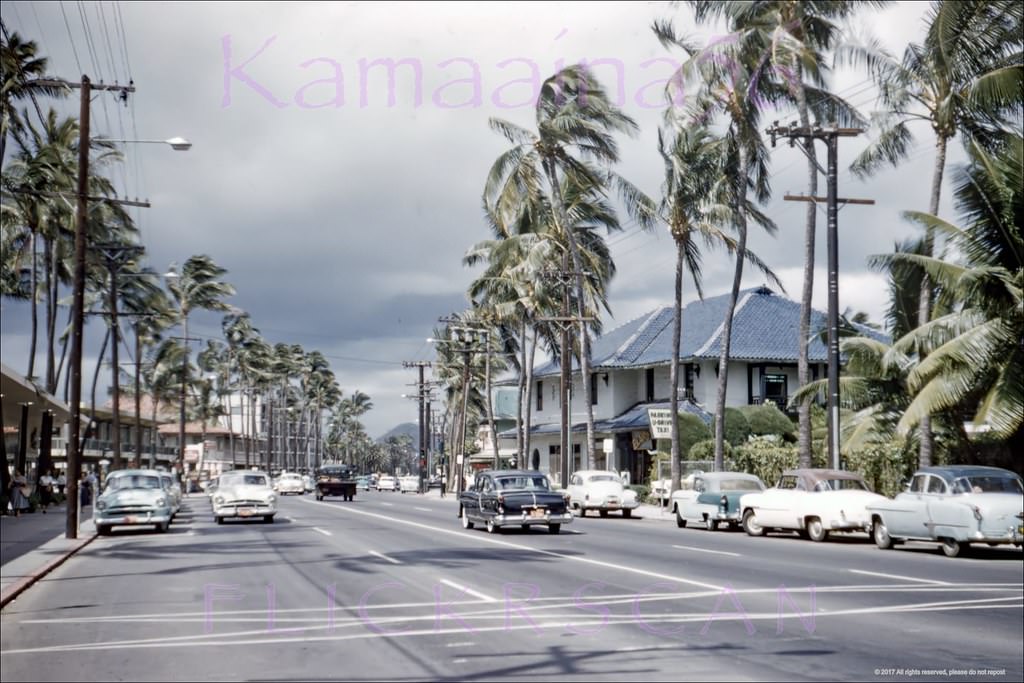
(737, 427)
(691, 430)
(767, 419)
(642, 492)
(705, 450)
(765, 457)
(884, 466)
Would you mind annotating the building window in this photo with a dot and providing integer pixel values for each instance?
(593, 388)
(540, 396)
(650, 384)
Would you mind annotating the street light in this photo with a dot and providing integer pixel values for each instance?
(177, 143)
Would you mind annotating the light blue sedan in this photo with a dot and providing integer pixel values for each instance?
(955, 506)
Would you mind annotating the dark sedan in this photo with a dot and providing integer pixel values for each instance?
(513, 497)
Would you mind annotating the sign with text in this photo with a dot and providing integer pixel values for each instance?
(661, 422)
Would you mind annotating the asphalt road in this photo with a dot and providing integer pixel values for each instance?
(390, 587)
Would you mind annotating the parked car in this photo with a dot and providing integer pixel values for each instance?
(336, 480)
(500, 498)
(363, 483)
(435, 481)
(170, 485)
(244, 494)
(410, 483)
(812, 502)
(713, 499)
(290, 482)
(600, 490)
(133, 497)
(387, 483)
(954, 506)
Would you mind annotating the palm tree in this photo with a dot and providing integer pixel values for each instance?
(576, 123)
(965, 77)
(974, 357)
(21, 77)
(198, 286)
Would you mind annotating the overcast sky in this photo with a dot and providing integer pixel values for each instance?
(342, 205)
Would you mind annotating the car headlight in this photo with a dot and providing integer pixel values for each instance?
(101, 505)
(160, 502)
(271, 499)
(218, 500)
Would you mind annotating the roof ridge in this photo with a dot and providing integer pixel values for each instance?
(648, 319)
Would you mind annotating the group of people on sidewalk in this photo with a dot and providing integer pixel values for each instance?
(49, 488)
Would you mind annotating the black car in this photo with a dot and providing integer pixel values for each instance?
(513, 497)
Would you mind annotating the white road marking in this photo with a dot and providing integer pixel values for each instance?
(383, 557)
(705, 550)
(388, 504)
(290, 519)
(467, 591)
(322, 531)
(424, 509)
(901, 578)
(460, 644)
(459, 661)
(519, 546)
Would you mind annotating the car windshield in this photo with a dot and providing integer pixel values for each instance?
(135, 481)
(537, 483)
(840, 485)
(244, 479)
(990, 483)
(605, 477)
(739, 485)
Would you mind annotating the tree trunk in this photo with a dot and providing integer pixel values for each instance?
(523, 396)
(35, 312)
(527, 452)
(723, 359)
(927, 446)
(804, 443)
(51, 315)
(673, 368)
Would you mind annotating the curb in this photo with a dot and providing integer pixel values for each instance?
(21, 585)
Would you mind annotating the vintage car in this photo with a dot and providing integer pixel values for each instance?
(713, 499)
(955, 506)
(336, 480)
(500, 498)
(600, 490)
(363, 483)
(812, 502)
(173, 489)
(309, 483)
(133, 497)
(290, 482)
(410, 483)
(387, 483)
(244, 494)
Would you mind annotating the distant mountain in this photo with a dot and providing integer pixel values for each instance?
(410, 429)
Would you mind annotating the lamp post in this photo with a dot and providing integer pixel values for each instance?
(176, 143)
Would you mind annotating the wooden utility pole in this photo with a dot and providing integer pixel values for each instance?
(805, 136)
(421, 395)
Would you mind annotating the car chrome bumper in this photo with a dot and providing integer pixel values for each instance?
(592, 505)
(848, 525)
(242, 512)
(152, 517)
(526, 518)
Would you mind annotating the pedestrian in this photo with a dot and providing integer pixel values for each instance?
(19, 493)
(45, 487)
(62, 483)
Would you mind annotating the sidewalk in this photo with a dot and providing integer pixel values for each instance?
(32, 545)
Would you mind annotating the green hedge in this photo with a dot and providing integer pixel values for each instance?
(737, 427)
(885, 467)
(767, 419)
(705, 450)
(765, 457)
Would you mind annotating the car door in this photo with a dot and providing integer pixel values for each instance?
(907, 515)
(778, 504)
(944, 511)
(687, 499)
(576, 490)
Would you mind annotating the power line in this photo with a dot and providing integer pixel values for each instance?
(71, 37)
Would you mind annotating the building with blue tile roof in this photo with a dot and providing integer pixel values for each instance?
(631, 374)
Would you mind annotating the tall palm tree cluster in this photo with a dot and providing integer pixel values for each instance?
(548, 202)
(279, 390)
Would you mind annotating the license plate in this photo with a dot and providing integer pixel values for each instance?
(537, 513)
(131, 519)
(245, 512)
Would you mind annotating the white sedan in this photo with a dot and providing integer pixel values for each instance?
(387, 483)
(811, 502)
(410, 483)
(290, 482)
(244, 494)
(600, 490)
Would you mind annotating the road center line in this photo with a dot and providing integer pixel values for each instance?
(322, 531)
(383, 556)
(388, 504)
(705, 550)
(519, 546)
(467, 591)
(424, 509)
(901, 578)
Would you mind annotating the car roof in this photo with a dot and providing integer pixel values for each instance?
(950, 472)
(817, 475)
(587, 473)
(128, 473)
(729, 475)
(513, 473)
